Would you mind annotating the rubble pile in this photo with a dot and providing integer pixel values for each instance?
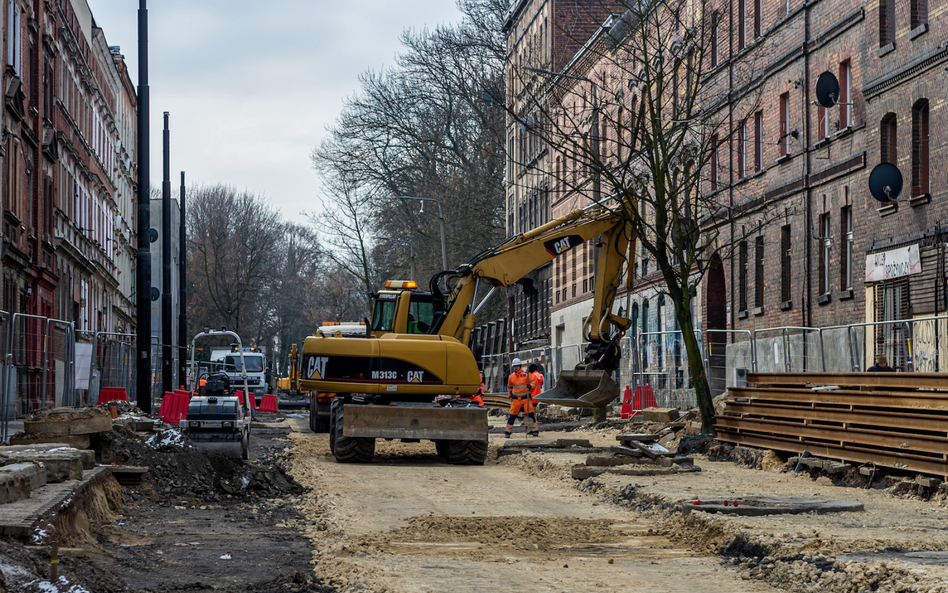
(176, 467)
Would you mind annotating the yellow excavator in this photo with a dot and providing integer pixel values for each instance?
(392, 383)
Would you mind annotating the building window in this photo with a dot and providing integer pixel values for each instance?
(845, 85)
(920, 144)
(888, 136)
(741, 24)
(919, 9)
(785, 254)
(785, 124)
(758, 141)
(742, 276)
(886, 22)
(742, 150)
(826, 241)
(824, 124)
(715, 21)
(759, 271)
(713, 163)
(758, 18)
(846, 253)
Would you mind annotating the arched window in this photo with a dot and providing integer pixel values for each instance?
(645, 319)
(634, 317)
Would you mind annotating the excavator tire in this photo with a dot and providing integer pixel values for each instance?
(348, 449)
(466, 452)
(317, 424)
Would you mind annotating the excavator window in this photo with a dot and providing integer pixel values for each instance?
(420, 315)
(384, 316)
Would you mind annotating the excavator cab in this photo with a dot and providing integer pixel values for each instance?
(402, 309)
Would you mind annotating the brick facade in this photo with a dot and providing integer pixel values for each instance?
(542, 34)
(68, 181)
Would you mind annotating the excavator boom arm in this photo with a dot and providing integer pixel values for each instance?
(507, 263)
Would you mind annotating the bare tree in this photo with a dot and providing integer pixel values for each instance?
(234, 240)
(637, 122)
(422, 128)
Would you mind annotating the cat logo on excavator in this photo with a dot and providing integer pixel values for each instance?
(316, 369)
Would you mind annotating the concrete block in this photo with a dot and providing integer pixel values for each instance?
(17, 480)
(79, 441)
(610, 460)
(660, 414)
(18, 451)
(59, 466)
(69, 421)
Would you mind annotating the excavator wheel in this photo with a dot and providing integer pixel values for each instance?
(466, 452)
(348, 449)
(316, 423)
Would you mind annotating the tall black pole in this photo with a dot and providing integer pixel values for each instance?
(143, 263)
(167, 339)
(182, 293)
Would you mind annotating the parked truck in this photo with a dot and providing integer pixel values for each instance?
(405, 379)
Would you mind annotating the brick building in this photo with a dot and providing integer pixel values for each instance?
(543, 35)
(68, 180)
(806, 244)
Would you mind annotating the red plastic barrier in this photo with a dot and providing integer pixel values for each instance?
(240, 399)
(108, 394)
(644, 398)
(268, 404)
(627, 411)
(170, 408)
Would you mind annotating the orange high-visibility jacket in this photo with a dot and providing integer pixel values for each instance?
(519, 385)
(537, 379)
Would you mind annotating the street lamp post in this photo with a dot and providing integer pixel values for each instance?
(411, 251)
(444, 244)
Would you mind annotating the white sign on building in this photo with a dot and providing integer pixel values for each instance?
(893, 264)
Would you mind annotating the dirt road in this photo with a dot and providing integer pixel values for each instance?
(410, 523)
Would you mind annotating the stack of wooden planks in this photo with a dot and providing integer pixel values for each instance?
(894, 420)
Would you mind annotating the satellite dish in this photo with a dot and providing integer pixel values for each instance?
(885, 182)
(153, 235)
(155, 294)
(827, 90)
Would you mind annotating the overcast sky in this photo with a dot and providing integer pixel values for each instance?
(252, 85)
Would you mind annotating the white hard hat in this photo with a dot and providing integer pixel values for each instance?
(515, 362)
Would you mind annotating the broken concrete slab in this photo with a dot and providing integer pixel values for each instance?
(25, 451)
(582, 472)
(660, 414)
(68, 421)
(771, 505)
(515, 447)
(641, 437)
(629, 451)
(610, 460)
(17, 480)
(60, 466)
(79, 441)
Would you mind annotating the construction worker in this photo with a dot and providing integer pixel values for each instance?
(537, 378)
(519, 387)
(478, 398)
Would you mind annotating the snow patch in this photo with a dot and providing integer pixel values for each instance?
(169, 437)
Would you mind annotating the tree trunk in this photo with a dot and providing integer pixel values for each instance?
(696, 366)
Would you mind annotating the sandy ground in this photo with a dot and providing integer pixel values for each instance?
(412, 523)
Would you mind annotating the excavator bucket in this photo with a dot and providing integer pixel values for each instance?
(581, 388)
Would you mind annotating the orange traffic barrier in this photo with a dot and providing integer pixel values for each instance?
(269, 404)
(108, 394)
